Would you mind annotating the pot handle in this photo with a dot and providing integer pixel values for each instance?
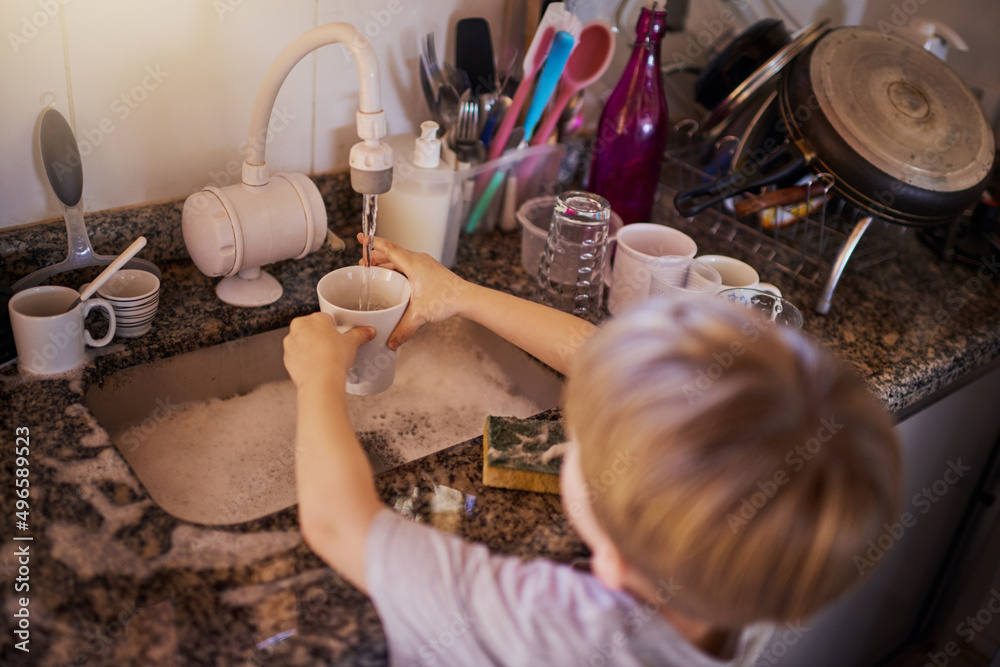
(785, 161)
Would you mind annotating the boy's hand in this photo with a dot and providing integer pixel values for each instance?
(436, 291)
(316, 351)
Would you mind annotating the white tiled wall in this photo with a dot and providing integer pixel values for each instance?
(159, 92)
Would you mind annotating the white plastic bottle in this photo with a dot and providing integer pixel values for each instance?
(415, 213)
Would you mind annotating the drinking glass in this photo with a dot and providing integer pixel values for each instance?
(571, 273)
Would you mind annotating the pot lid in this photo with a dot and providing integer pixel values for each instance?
(715, 122)
(902, 109)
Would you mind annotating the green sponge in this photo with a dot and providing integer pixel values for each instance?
(522, 454)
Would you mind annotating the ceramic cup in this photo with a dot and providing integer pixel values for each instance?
(339, 291)
(640, 246)
(135, 296)
(735, 273)
(683, 276)
(50, 339)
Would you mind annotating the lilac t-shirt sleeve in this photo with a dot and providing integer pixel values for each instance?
(445, 601)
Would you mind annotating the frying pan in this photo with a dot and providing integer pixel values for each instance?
(902, 135)
(739, 60)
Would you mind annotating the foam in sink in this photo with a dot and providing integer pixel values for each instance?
(220, 461)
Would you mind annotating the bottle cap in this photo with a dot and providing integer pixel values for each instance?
(427, 150)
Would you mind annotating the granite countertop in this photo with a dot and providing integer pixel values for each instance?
(115, 580)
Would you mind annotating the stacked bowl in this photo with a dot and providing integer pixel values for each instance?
(135, 295)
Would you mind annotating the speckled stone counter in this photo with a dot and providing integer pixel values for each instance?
(114, 580)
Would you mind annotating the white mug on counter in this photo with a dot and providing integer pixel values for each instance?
(640, 246)
(50, 338)
(735, 273)
(339, 292)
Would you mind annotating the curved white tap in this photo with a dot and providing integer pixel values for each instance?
(370, 119)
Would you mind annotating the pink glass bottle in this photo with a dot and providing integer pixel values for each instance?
(632, 133)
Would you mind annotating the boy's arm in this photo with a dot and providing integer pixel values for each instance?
(549, 335)
(334, 481)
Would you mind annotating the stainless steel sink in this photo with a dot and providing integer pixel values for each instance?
(210, 433)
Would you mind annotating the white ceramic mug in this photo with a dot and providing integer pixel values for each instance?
(49, 338)
(735, 273)
(339, 291)
(640, 246)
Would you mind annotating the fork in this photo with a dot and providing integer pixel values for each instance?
(467, 145)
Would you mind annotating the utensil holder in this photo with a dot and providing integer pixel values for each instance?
(488, 195)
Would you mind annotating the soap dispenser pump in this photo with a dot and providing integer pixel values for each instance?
(416, 211)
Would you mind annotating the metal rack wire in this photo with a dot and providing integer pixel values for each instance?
(814, 250)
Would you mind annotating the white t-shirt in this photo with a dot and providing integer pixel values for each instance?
(445, 601)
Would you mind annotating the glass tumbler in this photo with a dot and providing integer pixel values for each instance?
(571, 273)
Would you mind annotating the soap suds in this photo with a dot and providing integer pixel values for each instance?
(232, 460)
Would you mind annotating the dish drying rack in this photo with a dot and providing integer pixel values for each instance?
(814, 250)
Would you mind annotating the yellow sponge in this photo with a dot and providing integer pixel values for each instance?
(522, 454)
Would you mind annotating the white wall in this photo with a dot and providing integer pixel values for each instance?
(159, 92)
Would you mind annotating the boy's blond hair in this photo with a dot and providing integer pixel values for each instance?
(733, 456)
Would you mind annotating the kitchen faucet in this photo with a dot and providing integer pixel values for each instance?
(234, 230)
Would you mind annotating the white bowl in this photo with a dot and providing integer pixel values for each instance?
(130, 285)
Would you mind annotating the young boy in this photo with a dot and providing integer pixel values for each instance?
(684, 475)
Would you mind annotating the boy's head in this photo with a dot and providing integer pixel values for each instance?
(731, 456)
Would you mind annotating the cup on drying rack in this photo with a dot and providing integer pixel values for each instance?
(641, 246)
(571, 273)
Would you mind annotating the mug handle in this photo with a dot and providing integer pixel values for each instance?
(353, 381)
(768, 287)
(88, 306)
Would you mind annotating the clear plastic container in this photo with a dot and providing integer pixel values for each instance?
(488, 195)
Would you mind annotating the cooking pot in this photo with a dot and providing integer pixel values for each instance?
(903, 137)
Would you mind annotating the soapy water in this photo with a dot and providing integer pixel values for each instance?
(239, 452)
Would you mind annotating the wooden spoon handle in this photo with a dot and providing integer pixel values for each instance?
(757, 203)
